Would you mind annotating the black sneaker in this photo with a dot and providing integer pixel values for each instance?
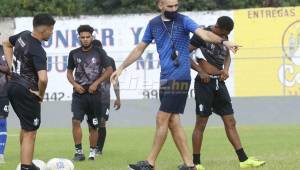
(35, 167)
(99, 152)
(184, 167)
(79, 157)
(141, 165)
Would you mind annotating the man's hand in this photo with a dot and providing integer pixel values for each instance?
(204, 77)
(37, 94)
(224, 75)
(93, 88)
(78, 88)
(231, 46)
(115, 75)
(117, 104)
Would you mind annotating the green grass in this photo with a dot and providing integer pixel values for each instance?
(278, 145)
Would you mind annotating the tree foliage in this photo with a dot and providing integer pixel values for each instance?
(12, 8)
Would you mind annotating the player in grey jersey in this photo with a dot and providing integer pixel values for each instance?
(211, 93)
(88, 63)
(105, 103)
(26, 89)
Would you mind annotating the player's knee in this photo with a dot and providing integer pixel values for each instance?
(102, 124)
(172, 125)
(201, 124)
(161, 122)
(230, 123)
(92, 129)
(29, 135)
(199, 128)
(76, 123)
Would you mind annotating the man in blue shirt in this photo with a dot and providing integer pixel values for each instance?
(170, 30)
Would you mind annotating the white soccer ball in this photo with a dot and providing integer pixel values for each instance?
(39, 163)
(60, 164)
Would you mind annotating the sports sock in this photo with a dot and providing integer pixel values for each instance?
(241, 155)
(196, 159)
(26, 167)
(78, 149)
(101, 138)
(3, 135)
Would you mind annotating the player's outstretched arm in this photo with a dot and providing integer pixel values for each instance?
(132, 57)
(213, 38)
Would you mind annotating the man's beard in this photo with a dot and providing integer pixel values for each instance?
(87, 47)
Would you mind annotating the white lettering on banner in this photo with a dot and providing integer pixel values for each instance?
(119, 35)
(289, 70)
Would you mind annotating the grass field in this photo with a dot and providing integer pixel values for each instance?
(278, 145)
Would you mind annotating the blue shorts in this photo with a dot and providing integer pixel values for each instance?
(173, 95)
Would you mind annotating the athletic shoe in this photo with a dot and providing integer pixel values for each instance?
(99, 152)
(251, 162)
(34, 167)
(184, 167)
(200, 167)
(141, 165)
(2, 159)
(92, 154)
(79, 157)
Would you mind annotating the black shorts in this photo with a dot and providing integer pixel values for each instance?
(173, 95)
(26, 105)
(212, 97)
(87, 104)
(4, 102)
(105, 110)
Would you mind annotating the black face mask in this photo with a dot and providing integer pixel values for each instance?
(170, 14)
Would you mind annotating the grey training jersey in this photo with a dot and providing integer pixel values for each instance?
(3, 79)
(215, 54)
(105, 85)
(88, 65)
(32, 58)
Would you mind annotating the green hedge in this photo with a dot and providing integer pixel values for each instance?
(12, 8)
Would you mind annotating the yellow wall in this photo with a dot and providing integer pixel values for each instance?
(263, 32)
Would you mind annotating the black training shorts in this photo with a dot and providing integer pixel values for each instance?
(26, 105)
(212, 97)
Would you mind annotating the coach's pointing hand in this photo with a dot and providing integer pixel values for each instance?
(231, 46)
(115, 75)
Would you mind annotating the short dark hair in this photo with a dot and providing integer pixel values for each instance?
(85, 28)
(225, 23)
(43, 19)
(97, 43)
